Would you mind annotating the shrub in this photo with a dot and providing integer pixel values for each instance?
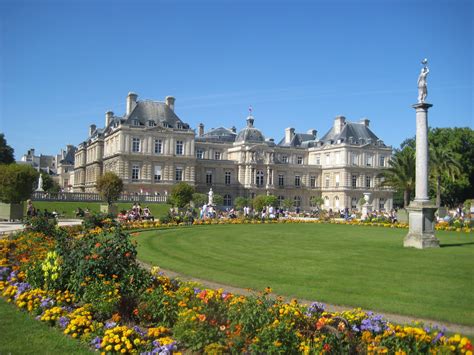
(109, 186)
(16, 182)
(41, 224)
(181, 194)
(104, 297)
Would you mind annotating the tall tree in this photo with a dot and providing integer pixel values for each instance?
(443, 163)
(17, 182)
(110, 186)
(181, 194)
(401, 173)
(6, 152)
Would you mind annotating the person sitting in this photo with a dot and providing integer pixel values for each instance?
(79, 212)
(30, 209)
(147, 214)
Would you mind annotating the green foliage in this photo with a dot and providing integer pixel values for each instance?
(316, 201)
(104, 297)
(109, 186)
(97, 219)
(199, 199)
(16, 182)
(218, 200)
(287, 203)
(240, 202)
(42, 224)
(261, 201)
(157, 306)
(6, 152)
(49, 184)
(181, 194)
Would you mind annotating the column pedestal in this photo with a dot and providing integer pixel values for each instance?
(421, 226)
(366, 209)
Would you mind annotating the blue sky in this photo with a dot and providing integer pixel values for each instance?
(63, 64)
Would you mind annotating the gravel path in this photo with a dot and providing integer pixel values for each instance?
(393, 318)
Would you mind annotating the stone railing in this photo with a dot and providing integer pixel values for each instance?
(89, 196)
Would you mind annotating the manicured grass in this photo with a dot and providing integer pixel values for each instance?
(21, 334)
(338, 264)
(67, 209)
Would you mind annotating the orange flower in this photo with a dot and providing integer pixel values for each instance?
(135, 312)
(97, 245)
(202, 317)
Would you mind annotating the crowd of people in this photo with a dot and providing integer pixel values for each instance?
(136, 213)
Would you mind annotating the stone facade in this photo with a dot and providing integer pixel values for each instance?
(151, 149)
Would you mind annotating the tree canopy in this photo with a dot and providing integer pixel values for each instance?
(110, 186)
(17, 182)
(181, 194)
(6, 152)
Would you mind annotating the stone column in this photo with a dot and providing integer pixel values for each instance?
(421, 212)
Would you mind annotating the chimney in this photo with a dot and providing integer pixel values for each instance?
(339, 123)
(201, 130)
(169, 100)
(131, 102)
(313, 132)
(108, 117)
(289, 134)
(233, 129)
(92, 128)
(69, 147)
(365, 122)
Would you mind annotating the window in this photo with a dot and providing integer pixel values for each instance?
(326, 178)
(179, 125)
(297, 180)
(135, 172)
(281, 180)
(381, 204)
(312, 181)
(354, 202)
(297, 201)
(158, 146)
(354, 181)
(179, 147)
(259, 180)
(209, 177)
(157, 175)
(179, 174)
(354, 158)
(227, 200)
(337, 180)
(382, 161)
(151, 123)
(227, 178)
(328, 159)
(135, 122)
(217, 155)
(284, 159)
(326, 201)
(280, 200)
(318, 160)
(136, 145)
(369, 160)
(336, 202)
(367, 181)
(300, 160)
(337, 157)
(200, 154)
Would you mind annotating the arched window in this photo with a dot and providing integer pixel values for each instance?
(326, 201)
(297, 201)
(336, 202)
(227, 200)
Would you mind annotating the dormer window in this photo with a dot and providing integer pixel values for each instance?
(179, 125)
(135, 122)
(151, 123)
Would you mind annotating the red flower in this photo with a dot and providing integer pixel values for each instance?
(327, 347)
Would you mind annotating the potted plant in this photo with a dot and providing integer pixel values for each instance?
(109, 186)
(17, 183)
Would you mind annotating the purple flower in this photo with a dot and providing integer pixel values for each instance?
(316, 307)
(110, 324)
(437, 337)
(96, 342)
(139, 330)
(47, 302)
(4, 272)
(373, 323)
(63, 322)
(196, 290)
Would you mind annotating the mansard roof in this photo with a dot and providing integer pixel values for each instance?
(159, 112)
(220, 134)
(69, 158)
(298, 140)
(351, 132)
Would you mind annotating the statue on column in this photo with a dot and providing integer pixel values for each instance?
(211, 197)
(40, 183)
(422, 88)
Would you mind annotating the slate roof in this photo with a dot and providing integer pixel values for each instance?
(69, 158)
(156, 111)
(298, 140)
(358, 132)
(250, 133)
(219, 134)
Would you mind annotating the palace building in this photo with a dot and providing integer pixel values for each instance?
(150, 148)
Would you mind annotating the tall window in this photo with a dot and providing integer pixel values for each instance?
(259, 181)
(297, 180)
(367, 181)
(199, 154)
(370, 159)
(280, 200)
(281, 180)
(382, 161)
(157, 174)
(337, 180)
(354, 181)
(336, 202)
(217, 155)
(381, 204)
(135, 145)
(318, 160)
(328, 159)
(354, 202)
(284, 159)
(179, 174)
(227, 178)
(337, 157)
(312, 181)
(135, 172)
(179, 147)
(297, 201)
(354, 158)
(158, 146)
(326, 201)
(300, 160)
(209, 177)
(326, 180)
(227, 200)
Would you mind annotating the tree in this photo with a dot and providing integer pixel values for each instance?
(17, 182)
(6, 152)
(181, 194)
(259, 202)
(401, 173)
(49, 184)
(287, 203)
(199, 199)
(110, 186)
(442, 163)
(240, 202)
(316, 201)
(218, 200)
(272, 200)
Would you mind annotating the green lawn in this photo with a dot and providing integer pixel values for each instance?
(338, 264)
(21, 334)
(66, 209)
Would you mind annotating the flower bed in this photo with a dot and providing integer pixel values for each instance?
(90, 285)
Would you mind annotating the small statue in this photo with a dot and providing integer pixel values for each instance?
(211, 196)
(40, 183)
(422, 89)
